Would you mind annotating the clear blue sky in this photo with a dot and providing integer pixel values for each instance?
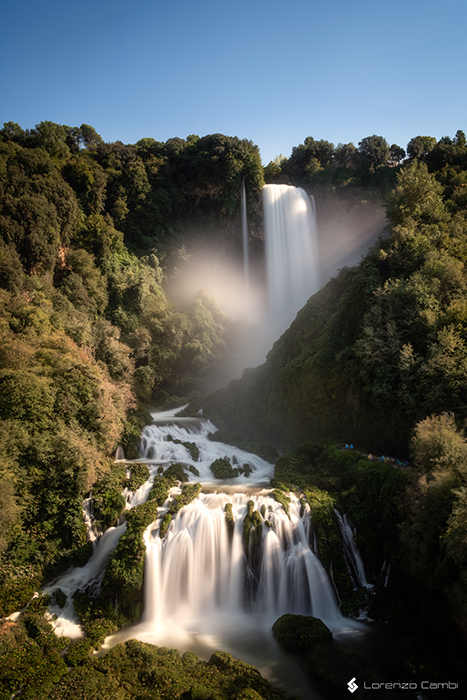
(273, 72)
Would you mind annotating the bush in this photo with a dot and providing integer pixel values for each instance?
(222, 469)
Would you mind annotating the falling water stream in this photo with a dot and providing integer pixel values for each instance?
(291, 252)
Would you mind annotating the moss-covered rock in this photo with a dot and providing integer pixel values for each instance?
(330, 549)
(300, 632)
(222, 469)
(282, 498)
(78, 652)
(192, 448)
(188, 494)
(121, 589)
(59, 597)
(176, 471)
(139, 474)
(252, 538)
(135, 669)
(229, 519)
(31, 654)
(165, 524)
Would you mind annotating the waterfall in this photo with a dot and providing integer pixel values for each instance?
(119, 453)
(80, 578)
(354, 559)
(197, 575)
(202, 581)
(291, 251)
(246, 261)
(205, 586)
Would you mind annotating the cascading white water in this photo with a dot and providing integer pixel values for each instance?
(246, 257)
(353, 556)
(79, 578)
(204, 589)
(162, 444)
(291, 251)
(197, 574)
(89, 577)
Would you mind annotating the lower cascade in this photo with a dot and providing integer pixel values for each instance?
(230, 563)
(200, 571)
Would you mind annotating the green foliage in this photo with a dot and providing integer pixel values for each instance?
(374, 149)
(123, 579)
(438, 446)
(252, 524)
(371, 493)
(417, 196)
(282, 498)
(267, 452)
(433, 530)
(31, 655)
(420, 146)
(176, 471)
(297, 467)
(158, 672)
(85, 326)
(222, 469)
(139, 474)
(108, 501)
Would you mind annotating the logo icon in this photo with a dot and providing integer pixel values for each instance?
(352, 685)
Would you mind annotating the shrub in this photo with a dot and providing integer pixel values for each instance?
(222, 469)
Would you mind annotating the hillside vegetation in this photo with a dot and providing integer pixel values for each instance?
(382, 345)
(90, 232)
(88, 337)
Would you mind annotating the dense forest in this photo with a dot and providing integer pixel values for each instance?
(91, 236)
(88, 336)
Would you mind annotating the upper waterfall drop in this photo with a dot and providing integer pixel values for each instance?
(291, 252)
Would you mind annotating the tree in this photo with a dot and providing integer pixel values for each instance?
(438, 445)
(322, 150)
(374, 149)
(460, 139)
(12, 132)
(420, 146)
(344, 155)
(417, 196)
(273, 169)
(52, 137)
(82, 282)
(308, 158)
(396, 152)
(89, 136)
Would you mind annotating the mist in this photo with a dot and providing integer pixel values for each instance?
(347, 227)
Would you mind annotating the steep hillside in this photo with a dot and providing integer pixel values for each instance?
(382, 345)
